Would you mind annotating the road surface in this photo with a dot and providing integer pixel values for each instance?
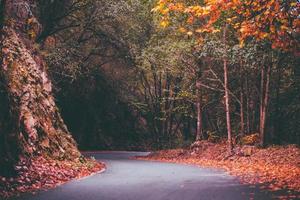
(128, 179)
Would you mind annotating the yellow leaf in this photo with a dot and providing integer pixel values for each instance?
(182, 30)
(164, 23)
(242, 43)
(189, 33)
(216, 31)
(272, 29)
(165, 11)
(283, 27)
(294, 4)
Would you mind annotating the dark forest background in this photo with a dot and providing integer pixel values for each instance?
(122, 83)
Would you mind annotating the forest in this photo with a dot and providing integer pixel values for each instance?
(145, 75)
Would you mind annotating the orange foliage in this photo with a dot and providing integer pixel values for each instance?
(43, 173)
(274, 168)
(251, 139)
(272, 20)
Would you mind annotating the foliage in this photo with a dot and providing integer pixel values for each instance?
(274, 168)
(45, 173)
(90, 66)
(250, 139)
(275, 21)
(152, 72)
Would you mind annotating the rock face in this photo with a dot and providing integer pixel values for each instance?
(30, 123)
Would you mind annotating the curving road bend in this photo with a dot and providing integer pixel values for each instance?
(127, 179)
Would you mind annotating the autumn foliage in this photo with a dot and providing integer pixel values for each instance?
(45, 173)
(274, 168)
(275, 21)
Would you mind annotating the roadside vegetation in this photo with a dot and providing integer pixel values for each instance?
(275, 168)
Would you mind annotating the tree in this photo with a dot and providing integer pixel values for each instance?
(273, 22)
(92, 66)
(199, 129)
(227, 98)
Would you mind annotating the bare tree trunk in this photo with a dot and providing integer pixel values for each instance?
(199, 110)
(242, 103)
(261, 103)
(247, 104)
(265, 103)
(173, 94)
(226, 87)
(167, 104)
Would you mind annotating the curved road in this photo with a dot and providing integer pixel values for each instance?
(127, 179)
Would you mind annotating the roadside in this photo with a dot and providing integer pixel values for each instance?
(44, 173)
(275, 168)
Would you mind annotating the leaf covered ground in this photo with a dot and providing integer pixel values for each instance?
(275, 168)
(42, 173)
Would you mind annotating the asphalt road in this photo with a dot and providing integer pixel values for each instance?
(127, 179)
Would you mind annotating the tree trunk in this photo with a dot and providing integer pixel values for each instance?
(226, 88)
(261, 100)
(242, 103)
(247, 104)
(199, 110)
(33, 125)
(264, 105)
